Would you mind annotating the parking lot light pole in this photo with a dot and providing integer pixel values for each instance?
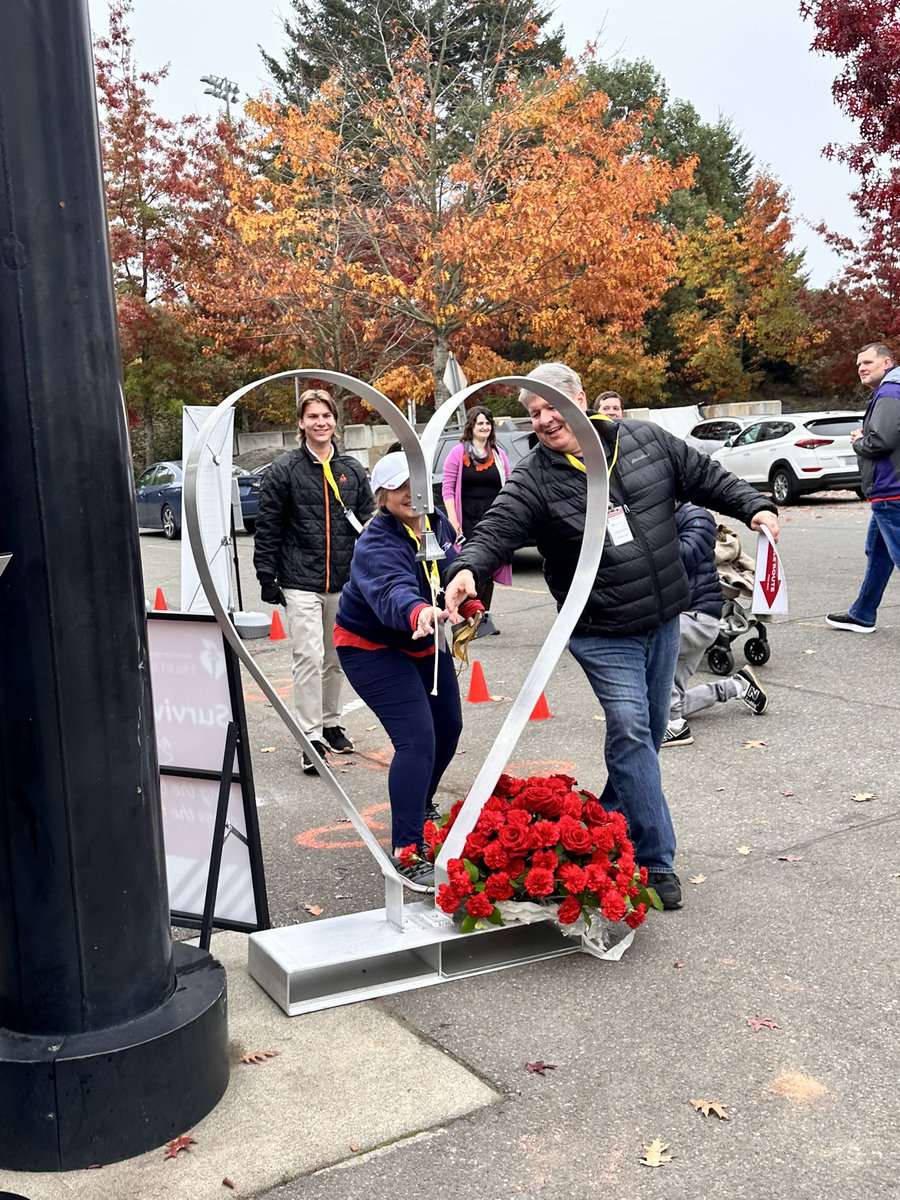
(112, 1040)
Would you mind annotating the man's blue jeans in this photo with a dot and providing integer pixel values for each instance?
(632, 679)
(882, 556)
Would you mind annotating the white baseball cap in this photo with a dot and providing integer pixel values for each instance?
(390, 472)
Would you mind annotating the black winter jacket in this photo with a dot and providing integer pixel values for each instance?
(640, 584)
(303, 539)
(697, 546)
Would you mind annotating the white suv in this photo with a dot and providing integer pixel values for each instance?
(793, 454)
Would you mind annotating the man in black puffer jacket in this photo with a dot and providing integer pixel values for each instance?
(313, 503)
(699, 628)
(627, 638)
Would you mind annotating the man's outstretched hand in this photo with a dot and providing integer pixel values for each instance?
(769, 520)
(460, 588)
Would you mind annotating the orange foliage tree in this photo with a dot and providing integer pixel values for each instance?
(739, 306)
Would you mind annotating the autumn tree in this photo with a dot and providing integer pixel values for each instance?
(740, 309)
(865, 36)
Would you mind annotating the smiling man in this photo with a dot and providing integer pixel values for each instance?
(877, 446)
(626, 640)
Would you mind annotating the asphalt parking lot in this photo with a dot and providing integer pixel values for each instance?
(788, 834)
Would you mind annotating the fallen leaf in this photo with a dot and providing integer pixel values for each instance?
(862, 797)
(790, 858)
(711, 1106)
(226, 1182)
(655, 1154)
(258, 1056)
(753, 744)
(540, 1067)
(787, 793)
(314, 910)
(268, 749)
(758, 1023)
(354, 1148)
(697, 879)
(180, 1143)
(743, 849)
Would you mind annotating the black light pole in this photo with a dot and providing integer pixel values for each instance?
(111, 1039)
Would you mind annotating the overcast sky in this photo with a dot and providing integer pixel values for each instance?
(746, 61)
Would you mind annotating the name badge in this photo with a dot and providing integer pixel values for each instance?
(617, 527)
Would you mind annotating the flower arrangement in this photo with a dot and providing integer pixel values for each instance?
(542, 840)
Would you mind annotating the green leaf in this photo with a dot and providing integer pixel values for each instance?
(468, 923)
(471, 870)
(495, 918)
(654, 899)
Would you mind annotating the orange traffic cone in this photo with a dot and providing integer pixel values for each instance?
(541, 711)
(276, 633)
(159, 604)
(478, 692)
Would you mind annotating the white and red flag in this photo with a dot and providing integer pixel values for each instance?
(770, 585)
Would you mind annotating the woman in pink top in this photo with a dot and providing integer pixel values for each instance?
(474, 473)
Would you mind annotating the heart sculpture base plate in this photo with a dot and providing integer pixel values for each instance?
(324, 964)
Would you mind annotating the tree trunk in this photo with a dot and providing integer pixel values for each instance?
(440, 352)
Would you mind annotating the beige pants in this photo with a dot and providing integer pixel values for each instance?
(316, 670)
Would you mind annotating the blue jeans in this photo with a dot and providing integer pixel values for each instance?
(632, 679)
(882, 556)
(424, 729)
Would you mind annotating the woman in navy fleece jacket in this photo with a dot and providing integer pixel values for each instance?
(384, 635)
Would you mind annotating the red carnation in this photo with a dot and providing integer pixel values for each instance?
(507, 785)
(603, 837)
(645, 875)
(572, 806)
(408, 855)
(454, 811)
(430, 833)
(636, 917)
(489, 821)
(447, 899)
(498, 887)
(539, 882)
(518, 816)
(569, 911)
(546, 860)
(479, 905)
(596, 879)
(495, 857)
(516, 867)
(545, 833)
(516, 839)
(572, 877)
(612, 906)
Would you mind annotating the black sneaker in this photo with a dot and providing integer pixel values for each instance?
(753, 695)
(419, 875)
(667, 886)
(683, 737)
(433, 814)
(309, 767)
(338, 741)
(845, 621)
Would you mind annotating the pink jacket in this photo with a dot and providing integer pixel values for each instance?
(451, 486)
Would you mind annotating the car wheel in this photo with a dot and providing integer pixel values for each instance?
(784, 486)
(169, 525)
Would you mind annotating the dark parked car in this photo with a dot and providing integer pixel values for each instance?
(158, 497)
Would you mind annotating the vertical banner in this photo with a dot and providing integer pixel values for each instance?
(769, 585)
(214, 510)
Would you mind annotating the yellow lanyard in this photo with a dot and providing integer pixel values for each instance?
(431, 567)
(579, 465)
(332, 482)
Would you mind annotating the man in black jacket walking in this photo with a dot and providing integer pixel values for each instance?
(626, 640)
(313, 503)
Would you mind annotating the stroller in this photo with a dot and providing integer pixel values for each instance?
(736, 572)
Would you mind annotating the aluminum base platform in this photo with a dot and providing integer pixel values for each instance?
(324, 964)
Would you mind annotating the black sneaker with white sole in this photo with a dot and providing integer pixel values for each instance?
(845, 621)
(667, 886)
(336, 738)
(753, 695)
(679, 737)
(419, 875)
(309, 767)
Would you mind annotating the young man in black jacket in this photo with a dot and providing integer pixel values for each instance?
(313, 503)
(626, 640)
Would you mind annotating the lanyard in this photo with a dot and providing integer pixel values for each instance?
(332, 483)
(579, 465)
(431, 567)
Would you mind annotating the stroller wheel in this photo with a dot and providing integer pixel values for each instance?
(757, 651)
(719, 661)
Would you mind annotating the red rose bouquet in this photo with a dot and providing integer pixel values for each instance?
(542, 840)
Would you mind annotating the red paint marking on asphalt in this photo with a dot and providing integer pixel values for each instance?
(312, 838)
(254, 694)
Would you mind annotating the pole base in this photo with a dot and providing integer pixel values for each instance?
(99, 1097)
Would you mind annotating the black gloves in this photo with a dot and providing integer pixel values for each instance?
(270, 592)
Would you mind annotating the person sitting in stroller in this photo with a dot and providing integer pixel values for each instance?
(699, 629)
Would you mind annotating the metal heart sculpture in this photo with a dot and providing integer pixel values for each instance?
(420, 454)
